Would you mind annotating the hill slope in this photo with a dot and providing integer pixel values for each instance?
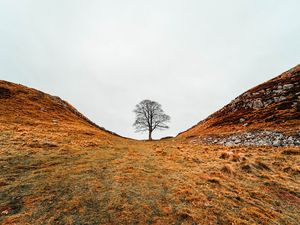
(27, 104)
(31, 111)
(268, 114)
(56, 167)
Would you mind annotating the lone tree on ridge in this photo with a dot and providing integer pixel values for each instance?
(149, 117)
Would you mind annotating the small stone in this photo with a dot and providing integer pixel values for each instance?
(276, 99)
(290, 139)
(257, 104)
(229, 143)
(276, 143)
(281, 98)
(268, 102)
(5, 212)
(287, 86)
(237, 141)
(54, 121)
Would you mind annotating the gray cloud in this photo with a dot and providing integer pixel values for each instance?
(105, 56)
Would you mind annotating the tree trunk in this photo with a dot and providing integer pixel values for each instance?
(150, 135)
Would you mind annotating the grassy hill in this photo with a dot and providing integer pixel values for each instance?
(57, 167)
(268, 114)
(273, 105)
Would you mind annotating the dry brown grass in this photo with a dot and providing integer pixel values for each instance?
(70, 172)
(129, 182)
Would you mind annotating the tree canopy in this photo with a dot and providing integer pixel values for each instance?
(150, 117)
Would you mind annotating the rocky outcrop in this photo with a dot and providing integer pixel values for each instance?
(288, 94)
(253, 138)
(273, 106)
(263, 103)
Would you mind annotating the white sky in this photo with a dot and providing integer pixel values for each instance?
(104, 57)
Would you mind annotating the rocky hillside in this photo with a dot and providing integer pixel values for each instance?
(268, 114)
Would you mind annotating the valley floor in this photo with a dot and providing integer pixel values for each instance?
(134, 182)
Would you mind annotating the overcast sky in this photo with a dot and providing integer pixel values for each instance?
(104, 57)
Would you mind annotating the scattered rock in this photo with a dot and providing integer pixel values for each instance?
(54, 121)
(253, 138)
(5, 212)
(288, 86)
(276, 143)
(257, 104)
(275, 103)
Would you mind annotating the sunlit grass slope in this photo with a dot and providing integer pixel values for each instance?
(56, 167)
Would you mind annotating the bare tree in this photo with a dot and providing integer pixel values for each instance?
(149, 117)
